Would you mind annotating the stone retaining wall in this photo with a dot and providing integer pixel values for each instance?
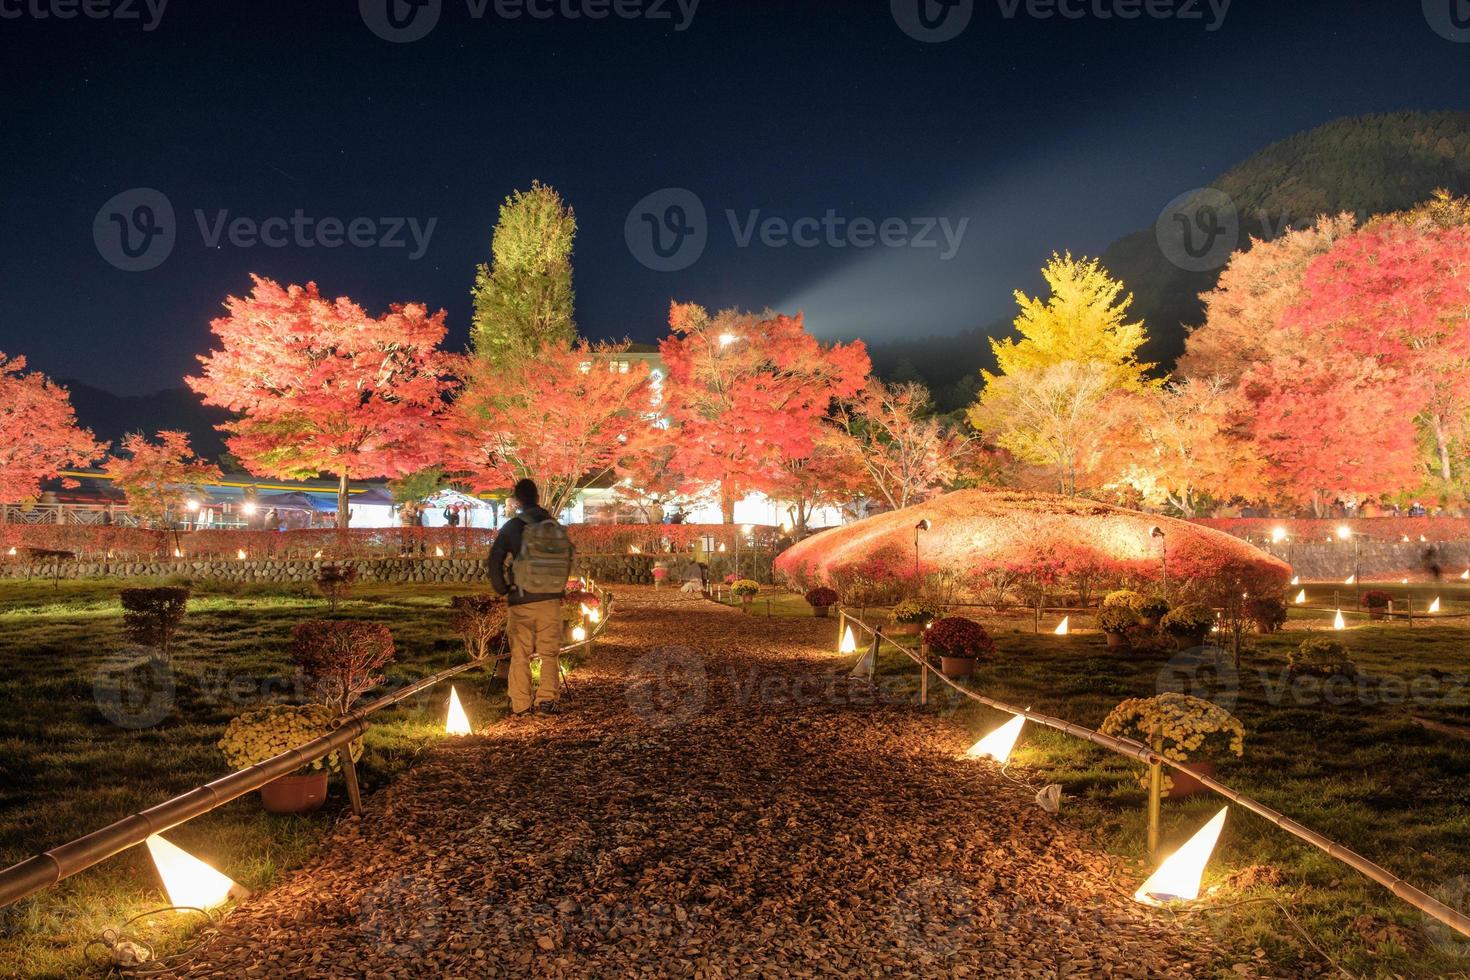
(1373, 560)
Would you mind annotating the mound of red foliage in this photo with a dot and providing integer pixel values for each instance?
(1019, 543)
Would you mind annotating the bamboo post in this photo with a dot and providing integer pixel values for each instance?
(923, 672)
(841, 622)
(349, 776)
(1155, 795)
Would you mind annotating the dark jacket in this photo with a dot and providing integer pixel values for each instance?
(507, 546)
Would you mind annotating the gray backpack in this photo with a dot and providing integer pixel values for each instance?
(545, 560)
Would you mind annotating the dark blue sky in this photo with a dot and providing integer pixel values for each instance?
(1038, 133)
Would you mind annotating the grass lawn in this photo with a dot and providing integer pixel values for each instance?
(1350, 763)
(67, 769)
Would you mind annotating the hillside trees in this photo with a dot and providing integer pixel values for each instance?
(39, 435)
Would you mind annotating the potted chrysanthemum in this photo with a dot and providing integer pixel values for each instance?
(1115, 621)
(263, 733)
(1186, 728)
(911, 616)
(821, 599)
(960, 644)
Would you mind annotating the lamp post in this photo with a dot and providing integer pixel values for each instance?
(923, 525)
(1158, 532)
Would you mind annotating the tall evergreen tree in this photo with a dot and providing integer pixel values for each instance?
(523, 297)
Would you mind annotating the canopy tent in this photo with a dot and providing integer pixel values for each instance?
(473, 512)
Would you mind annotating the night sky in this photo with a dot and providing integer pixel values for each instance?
(1039, 133)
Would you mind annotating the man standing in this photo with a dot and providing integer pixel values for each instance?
(539, 554)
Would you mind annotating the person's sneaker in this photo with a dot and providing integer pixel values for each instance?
(548, 708)
(520, 715)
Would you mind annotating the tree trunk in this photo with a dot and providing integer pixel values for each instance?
(727, 507)
(1442, 443)
(342, 510)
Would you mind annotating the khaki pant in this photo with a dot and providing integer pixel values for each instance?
(535, 631)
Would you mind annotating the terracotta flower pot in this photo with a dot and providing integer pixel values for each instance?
(295, 794)
(1149, 622)
(819, 611)
(1117, 640)
(1186, 785)
(957, 668)
(905, 629)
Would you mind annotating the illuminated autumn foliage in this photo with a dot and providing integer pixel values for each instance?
(39, 436)
(159, 477)
(746, 393)
(323, 387)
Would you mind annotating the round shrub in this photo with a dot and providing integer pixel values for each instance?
(821, 597)
(1266, 612)
(1189, 620)
(151, 617)
(915, 612)
(264, 733)
(1153, 607)
(341, 657)
(955, 636)
(1376, 599)
(1116, 619)
(1322, 657)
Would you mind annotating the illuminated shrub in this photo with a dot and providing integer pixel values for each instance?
(152, 617)
(915, 612)
(1320, 657)
(1266, 612)
(341, 658)
(335, 581)
(1153, 608)
(1376, 599)
(1123, 597)
(822, 597)
(1117, 618)
(955, 636)
(480, 622)
(1189, 620)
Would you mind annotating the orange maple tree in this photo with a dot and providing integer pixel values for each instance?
(747, 393)
(159, 477)
(39, 435)
(322, 387)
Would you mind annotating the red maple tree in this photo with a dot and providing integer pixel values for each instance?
(39, 435)
(903, 447)
(746, 393)
(562, 421)
(323, 387)
(159, 478)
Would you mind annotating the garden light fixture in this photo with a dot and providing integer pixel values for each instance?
(1064, 627)
(188, 881)
(1301, 597)
(849, 642)
(241, 554)
(1338, 623)
(1350, 580)
(1278, 535)
(457, 722)
(249, 508)
(1434, 606)
(579, 633)
(1465, 575)
(1344, 532)
(1178, 877)
(999, 743)
(726, 339)
(1296, 580)
(192, 505)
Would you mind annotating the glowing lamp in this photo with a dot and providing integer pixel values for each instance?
(188, 881)
(11, 552)
(633, 549)
(594, 616)
(1344, 532)
(1406, 539)
(1296, 580)
(1178, 878)
(193, 506)
(1338, 623)
(1434, 606)
(999, 743)
(849, 642)
(438, 551)
(249, 508)
(1465, 575)
(722, 547)
(240, 554)
(1064, 627)
(726, 339)
(457, 723)
(579, 633)
(178, 553)
(1350, 580)
(1404, 580)
(1278, 534)
(317, 555)
(1301, 597)
(1422, 539)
